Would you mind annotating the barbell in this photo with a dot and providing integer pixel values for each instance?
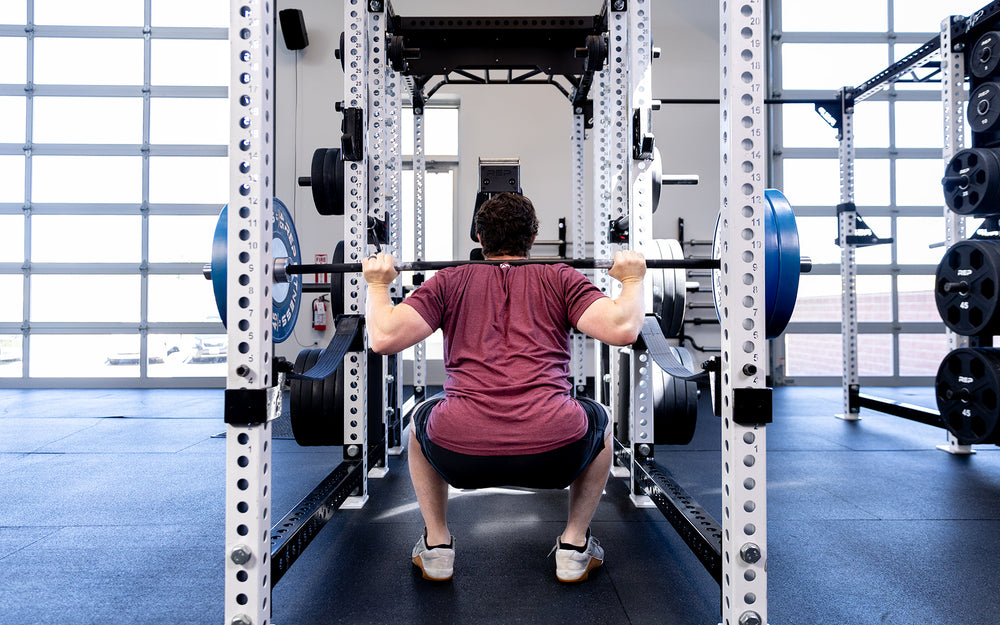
(783, 264)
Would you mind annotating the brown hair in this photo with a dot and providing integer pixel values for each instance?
(507, 225)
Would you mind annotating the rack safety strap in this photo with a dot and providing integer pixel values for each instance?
(345, 336)
(663, 353)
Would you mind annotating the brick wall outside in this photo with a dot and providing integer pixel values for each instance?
(822, 354)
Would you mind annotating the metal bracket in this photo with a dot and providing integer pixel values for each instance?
(751, 406)
(642, 140)
(246, 406)
(867, 236)
(352, 146)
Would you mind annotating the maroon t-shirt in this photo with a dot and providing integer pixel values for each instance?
(506, 355)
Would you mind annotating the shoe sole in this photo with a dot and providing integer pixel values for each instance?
(419, 563)
(593, 564)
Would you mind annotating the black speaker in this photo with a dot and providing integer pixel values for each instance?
(293, 28)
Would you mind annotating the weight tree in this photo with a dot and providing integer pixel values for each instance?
(623, 189)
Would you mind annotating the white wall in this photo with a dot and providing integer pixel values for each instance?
(527, 121)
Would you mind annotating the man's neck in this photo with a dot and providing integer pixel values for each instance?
(505, 257)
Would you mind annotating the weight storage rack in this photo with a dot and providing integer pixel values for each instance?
(944, 56)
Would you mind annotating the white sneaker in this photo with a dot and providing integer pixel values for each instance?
(437, 563)
(573, 565)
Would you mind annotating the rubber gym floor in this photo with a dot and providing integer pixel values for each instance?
(111, 512)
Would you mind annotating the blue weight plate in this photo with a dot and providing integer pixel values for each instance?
(782, 263)
(787, 263)
(219, 262)
(772, 258)
(286, 297)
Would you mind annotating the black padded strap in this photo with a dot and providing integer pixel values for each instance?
(329, 360)
(663, 353)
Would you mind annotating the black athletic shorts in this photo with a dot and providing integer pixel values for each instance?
(557, 468)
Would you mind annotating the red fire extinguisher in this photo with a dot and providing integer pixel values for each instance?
(319, 313)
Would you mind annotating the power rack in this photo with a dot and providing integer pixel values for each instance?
(383, 54)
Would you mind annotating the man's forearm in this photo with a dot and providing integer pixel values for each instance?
(631, 306)
(378, 314)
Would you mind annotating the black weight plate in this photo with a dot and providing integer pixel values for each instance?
(337, 283)
(295, 405)
(967, 388)
(300, 411)
(320, 189)
(341, 48)
(972, 182)
(675, 404)
(984, 108)
(338, 181)
(673, 251)
(622, 431)
(965, 287)
(669, 287)
(985, 56)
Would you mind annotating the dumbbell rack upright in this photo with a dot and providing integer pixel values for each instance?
(253, 392)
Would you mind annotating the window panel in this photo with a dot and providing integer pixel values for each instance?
(189, 62)
(875, 354)
(86, 238)
(87, 120)
(874, 298)
(11, 239)
(102, 179)
(876, 254)
(819, 299)
(12, 302)
(84, 298)
(196, 13)
(195, 121)
(871, 182)
(440, 131)
(181, 238)
(11, 355)
(63, 61)
(921, 354)
(818, 239)
(918, 183)
(12, 116)
(830, 66)
(871, 125)
(187, 355)
(11, 178)
(13, 13)
(439, 209)
(813, 354)
(916, 300)
(84, 356)
(811, 182)
(850, 16)
(916, 235)
(924, 16)
(14, 52)
(919, 125)
(188, 180)
(76, 13)
(184, 298)
(802, 127)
